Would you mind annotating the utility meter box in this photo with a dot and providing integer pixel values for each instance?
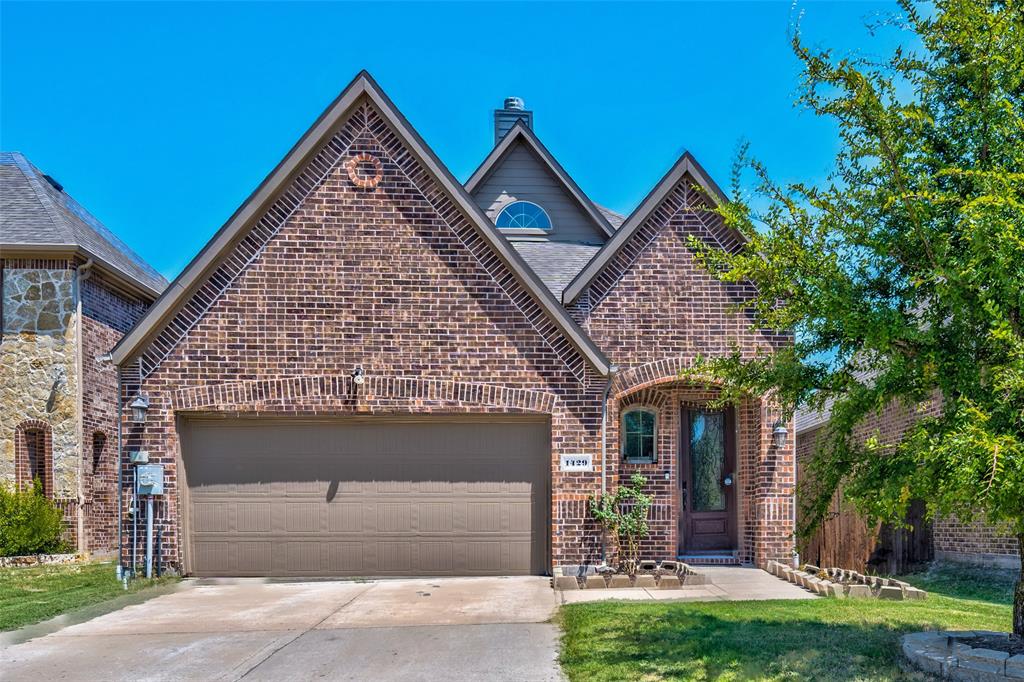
(138, 456)
(150, 479)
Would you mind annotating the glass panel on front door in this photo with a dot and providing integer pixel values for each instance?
(707, 461)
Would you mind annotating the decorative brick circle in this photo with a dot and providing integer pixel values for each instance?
(364, 170)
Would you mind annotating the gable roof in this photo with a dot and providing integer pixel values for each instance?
(237, 226)
(685, 165)
(36, 214)
(520, 132)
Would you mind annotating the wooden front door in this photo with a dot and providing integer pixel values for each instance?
(708, 496)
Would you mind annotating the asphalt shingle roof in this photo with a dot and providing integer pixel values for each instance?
(613, 218)
(34, 212)
(556, 263)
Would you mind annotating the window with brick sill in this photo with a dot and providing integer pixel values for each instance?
(639, 435)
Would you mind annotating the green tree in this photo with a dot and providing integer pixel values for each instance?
(902, 274)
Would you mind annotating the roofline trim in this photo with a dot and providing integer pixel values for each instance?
(362, 85)
(685, 164)
(521, 130)
(51, 250)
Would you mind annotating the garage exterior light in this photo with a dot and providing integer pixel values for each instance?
(140, 406)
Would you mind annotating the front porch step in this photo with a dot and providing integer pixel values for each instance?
(711, 559)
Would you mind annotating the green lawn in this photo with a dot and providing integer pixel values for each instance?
(29, 595)
(822, 639)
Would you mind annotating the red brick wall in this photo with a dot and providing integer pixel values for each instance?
(107, 313)
(653, 310)
(393, 279)
(975, 542)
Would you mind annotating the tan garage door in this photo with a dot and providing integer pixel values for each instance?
(366, 497)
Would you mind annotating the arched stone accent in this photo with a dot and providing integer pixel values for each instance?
(344, 393)
(23, 434)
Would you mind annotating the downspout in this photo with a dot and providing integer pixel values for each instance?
(82, 274)
(120, 480)
(612, 371)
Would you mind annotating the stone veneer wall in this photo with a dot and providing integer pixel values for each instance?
(38, 372)
(40, 338)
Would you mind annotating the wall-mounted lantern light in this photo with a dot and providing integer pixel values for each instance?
(357, 376)
(139, 408)
(779, 434)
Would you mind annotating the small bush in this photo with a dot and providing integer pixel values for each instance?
(30, 523)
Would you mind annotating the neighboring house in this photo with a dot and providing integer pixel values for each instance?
(844, 538)
(70, 290)
(372, 369)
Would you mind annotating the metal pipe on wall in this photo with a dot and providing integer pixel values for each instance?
(604, 444)
(149, 536)
(120, 481)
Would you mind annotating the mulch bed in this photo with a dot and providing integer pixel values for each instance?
(1012, 645)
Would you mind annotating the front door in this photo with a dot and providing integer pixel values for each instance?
(708, 496)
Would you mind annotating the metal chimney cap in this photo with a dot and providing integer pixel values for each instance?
(515, 103)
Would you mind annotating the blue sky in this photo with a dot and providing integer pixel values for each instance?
(162, 118)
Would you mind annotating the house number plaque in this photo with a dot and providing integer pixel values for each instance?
(577, 463)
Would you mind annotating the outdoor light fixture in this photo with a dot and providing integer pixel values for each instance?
(139, 408)
(779, 434)
(357, 376)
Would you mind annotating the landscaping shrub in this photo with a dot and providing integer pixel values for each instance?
(623, 517)
(30, 523)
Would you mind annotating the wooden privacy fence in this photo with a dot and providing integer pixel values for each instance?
(845, 540)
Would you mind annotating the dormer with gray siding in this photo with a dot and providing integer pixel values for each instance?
(520, 169)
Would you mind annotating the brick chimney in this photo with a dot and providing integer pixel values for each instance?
(506, 117)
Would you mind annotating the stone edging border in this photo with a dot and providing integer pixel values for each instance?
(668, 575)
(39, 560)
(841, 583)
(939, 653)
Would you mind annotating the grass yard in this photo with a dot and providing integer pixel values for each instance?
(29, 595)
(821, 639)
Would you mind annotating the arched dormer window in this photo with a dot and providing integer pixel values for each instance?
(639, 435)
(524, 215)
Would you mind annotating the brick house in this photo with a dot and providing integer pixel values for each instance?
(71, 289)
(373, 369)
(845, 538)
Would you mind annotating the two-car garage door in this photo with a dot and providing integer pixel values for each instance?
(371, 496)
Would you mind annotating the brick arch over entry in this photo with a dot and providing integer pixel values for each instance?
(22, 464)
(664, 371)
(343, 392)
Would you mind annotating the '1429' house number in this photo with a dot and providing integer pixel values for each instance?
(577, 463)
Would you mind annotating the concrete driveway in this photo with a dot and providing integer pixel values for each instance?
(448, 628)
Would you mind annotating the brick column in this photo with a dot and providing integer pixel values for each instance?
(774, 492)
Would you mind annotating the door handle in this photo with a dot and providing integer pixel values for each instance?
(728, 480)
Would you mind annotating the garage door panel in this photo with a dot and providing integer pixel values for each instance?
(253, 517)
(376, 497)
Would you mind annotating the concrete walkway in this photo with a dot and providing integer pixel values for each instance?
(451, 628)
(728, 583)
